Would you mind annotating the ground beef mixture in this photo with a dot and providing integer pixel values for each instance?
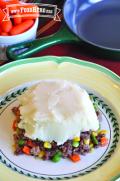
(71, 149)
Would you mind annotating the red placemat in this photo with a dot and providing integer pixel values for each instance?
(75, 51)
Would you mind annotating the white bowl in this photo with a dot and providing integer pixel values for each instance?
(14, 39)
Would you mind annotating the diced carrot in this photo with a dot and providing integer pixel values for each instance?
(26, 150)
(17, 20)
(104, 141)
(6, 26)
(14, 125)
(75, 157)
(30, 143)
(4, 34)
(24, 26)
(2, 15)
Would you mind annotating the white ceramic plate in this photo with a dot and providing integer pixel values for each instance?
(104, 87)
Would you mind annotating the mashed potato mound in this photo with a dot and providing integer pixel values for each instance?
(56, 110)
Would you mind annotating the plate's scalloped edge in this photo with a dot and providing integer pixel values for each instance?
(59, 60)
(96, 99)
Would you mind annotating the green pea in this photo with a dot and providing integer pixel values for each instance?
(21, 142)
(56, 157)
(17, 130)
(59, 153)
(75, 144)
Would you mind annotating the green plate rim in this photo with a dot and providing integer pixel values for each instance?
(60, 60)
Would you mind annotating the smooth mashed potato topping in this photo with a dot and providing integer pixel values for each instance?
(56, 110)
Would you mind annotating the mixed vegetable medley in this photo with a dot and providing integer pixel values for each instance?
(71, 149)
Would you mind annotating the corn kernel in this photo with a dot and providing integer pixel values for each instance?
(91, 145)
(47, 145)
(17, 130)
(102, 132)
(91, 150)
(14, 147)
(76, 139)
(41, 154)
(86, 141)
(94, 133)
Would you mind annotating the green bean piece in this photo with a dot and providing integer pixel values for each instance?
(94, 139)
